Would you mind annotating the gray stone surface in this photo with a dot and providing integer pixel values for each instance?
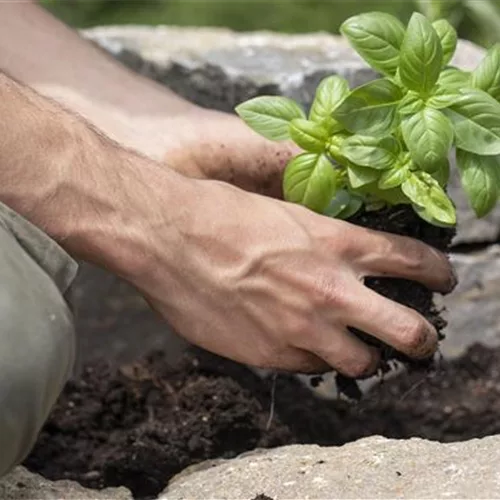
(21, 484)
(218, 68)
(473, 311)
(370, 468)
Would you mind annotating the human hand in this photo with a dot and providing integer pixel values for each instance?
(212, 145)
(271, 284)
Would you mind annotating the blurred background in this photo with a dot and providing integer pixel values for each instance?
(476, 20)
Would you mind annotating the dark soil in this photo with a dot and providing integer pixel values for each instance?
(142, 424)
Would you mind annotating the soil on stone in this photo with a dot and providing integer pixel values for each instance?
(140, 425)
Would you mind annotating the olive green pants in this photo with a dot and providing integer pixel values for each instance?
(37, 341)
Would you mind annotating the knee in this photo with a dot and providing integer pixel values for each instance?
(37, 346)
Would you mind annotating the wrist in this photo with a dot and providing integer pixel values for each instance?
(100, 202)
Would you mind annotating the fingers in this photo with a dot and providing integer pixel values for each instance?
(381, 254)
(396, 325)
(342, 351)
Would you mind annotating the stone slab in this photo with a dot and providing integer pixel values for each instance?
(371, 468)
(21, 484)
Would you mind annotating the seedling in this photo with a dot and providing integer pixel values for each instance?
(388, 142)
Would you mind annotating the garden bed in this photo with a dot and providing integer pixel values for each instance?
(141, 424)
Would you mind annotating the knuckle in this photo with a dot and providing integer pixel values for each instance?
(330, 293)
(414, 255)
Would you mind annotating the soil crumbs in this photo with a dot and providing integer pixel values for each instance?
(141, 424)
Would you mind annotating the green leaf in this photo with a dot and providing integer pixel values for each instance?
(480, 179)
(453, 78)
(421, 55)
(308, 135)
(429, 137)
(426, 214)
(338, 203)
(310, 180)
(344, 205)
(377, 38)
(394, 177)
(355, 203)
(487, 75)
(360, 176)
(442, 173)
(371, 108)
(411, 103)
(425, 192)
(330, 92)
(476, 119)
(443, 98)
(270, 115)
(373, 152)
(448, 37)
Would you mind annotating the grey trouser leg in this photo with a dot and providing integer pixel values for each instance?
(37, 344)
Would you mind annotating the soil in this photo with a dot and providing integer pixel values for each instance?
(141, 424)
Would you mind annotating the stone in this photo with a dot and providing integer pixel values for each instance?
(472, 309)
(218, 68)
(370, 468)
(21, 484)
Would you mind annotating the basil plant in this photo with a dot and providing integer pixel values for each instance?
(388, 142)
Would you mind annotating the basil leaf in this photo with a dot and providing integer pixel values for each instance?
(339, 202)
(425, 192)
(371, 108)
(421, 55)
(310, 180)
(443, 98)
(360, 176)
(373, 152)
(344, 205)
(476, 119)
(394, 177)
(426, 214)
(270, 115)
(330, 93)
(411, 103)
(442, 173)
(480, 179)
(354, 205)
(377, 38)
(487, 75)
(429, 137)
(448, 37)
(454, 78)
(308, 135)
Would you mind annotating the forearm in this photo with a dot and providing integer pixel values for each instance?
(131, 109)
(74, 183)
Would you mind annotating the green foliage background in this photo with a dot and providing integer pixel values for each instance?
(477, 20)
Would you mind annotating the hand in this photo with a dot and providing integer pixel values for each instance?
(272, 284)
(208, 144)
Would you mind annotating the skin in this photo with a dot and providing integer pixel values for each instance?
(247, 276)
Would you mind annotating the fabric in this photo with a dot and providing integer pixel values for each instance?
(37, 340)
